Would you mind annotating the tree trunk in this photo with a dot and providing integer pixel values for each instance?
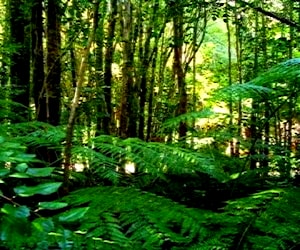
(51, 107)
(100, 103)
(178, 67)
(20, 60)
(108, 60)
(75, 102)
(128, 118)
(37, 52)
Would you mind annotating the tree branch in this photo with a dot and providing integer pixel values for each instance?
(272, 14)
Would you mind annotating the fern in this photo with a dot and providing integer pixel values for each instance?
(261, 86)
(37, 133)
(155, 159)
(173, 123)
(128, 217)
(283, 72)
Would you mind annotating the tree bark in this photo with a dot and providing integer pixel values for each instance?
(178, 67)
(20, 60)
(75, 102)
(50, 108)
(37, 53)
(108, 60)
(128, 118)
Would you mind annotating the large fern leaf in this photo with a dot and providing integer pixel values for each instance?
(157, 159)
(133, 219)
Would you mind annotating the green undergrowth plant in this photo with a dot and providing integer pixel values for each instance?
(123, 215)
(24, 190)
(110, 155)
(128, 218)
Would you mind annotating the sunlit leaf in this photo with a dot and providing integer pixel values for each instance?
(22, 167)
(19, 175)
(73, 215)
(43, 224)
(39, 172)
(52, 205)
(44, 189)
(17, 212)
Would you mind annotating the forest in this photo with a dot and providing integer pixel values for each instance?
(149, 124)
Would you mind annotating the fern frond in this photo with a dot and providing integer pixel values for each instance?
(37, 133)
(261, 86)
(283, 72)
(241, 91)
(135, 218)
(158, 159)
(173, 123)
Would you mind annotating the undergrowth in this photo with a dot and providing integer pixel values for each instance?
(176, 197)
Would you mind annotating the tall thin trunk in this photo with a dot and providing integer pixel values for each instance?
(101, 105)
(151, 95)
(265, 151)
(37, 52)
(229, 78)
(292, 100)
(52, 91)
(128, 126)
(108, 60)
(75, 101)
(47, 89)
(20, 60)
(178, 67)
(255, 105)
(239, 50)
(4, 62)
(146, 60)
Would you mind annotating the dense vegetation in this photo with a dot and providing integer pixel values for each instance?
(160, 124)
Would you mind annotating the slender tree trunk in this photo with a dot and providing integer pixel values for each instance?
(143, 82)
(231, 143)
(108, 60)
(240, 79)
(150, 100)
(100, 103)
(265, 151)
(178, 67)
(37, 53)
(4, 63)
(20, 60)
(75, 102)
(52, 92)
(145, 61)
(128, 126)
(255, 105)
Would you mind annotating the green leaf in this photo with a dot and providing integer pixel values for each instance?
(19, 175)
(44, 189)
(17, 212)
(2, 139)
(21, 167)
(39, 172)
(73, 215)
(52, 205)
(43, 224)
(4, 172)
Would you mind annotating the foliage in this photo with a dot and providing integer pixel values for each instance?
(216, 162)
(116, 217)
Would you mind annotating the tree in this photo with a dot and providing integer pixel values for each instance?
(128, 117)
(37, 48)
(50, 108)
(20, 58)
